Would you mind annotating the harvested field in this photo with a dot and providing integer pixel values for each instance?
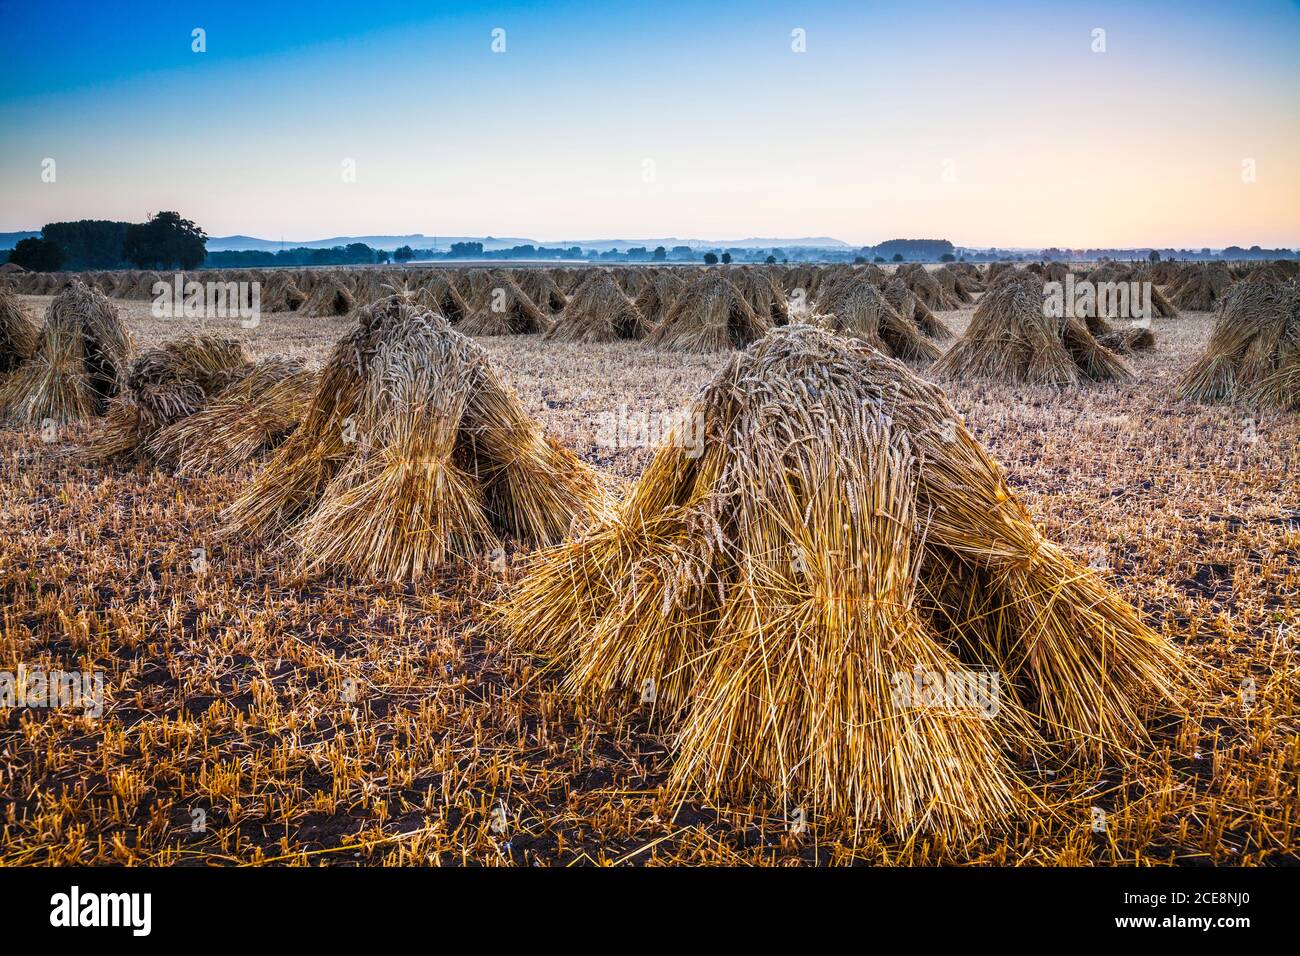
(326, 718)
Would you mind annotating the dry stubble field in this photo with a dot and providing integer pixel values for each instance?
(329, 720)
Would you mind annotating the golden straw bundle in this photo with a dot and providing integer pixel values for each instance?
(710, 315)
(164, 385)
(18, 334)
(1254, 350)
(500, 307)
(329, 295)
(79, 362)
(538, 285)
(1011, 339)
(412, 451)
(255, 412)
(841, 540)
(907, 305)
(658, 297)
(438, 294)
(858, 308)
(1201, 286)
(598, 311)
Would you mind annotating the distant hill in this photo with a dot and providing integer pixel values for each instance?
(808, 242)
(420, 241)
(414, 240)
(10, 239)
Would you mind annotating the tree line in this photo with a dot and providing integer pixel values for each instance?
(165, 241)
(354, 253)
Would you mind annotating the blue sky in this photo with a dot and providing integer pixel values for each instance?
(982, 123)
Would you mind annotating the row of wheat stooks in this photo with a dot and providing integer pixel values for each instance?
(773, 591)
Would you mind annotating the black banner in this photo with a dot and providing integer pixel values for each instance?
(185, 904)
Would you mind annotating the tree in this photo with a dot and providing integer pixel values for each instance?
(947, 257)
(89, 243)
(726, 258)
(38, 255)
(403, 254)
(878, 259)
(859, 260)
(660, 254)
(1154, 256)
(898, 257)
(710, 259)
(164, 242)
(770, 260)
(382, 256)
(358, 252)
(925, 250)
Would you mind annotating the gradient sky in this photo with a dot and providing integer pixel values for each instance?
(1044, 141)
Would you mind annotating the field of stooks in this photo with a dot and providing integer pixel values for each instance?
(732, 565)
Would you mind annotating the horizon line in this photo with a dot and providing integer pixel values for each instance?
(788, 240)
